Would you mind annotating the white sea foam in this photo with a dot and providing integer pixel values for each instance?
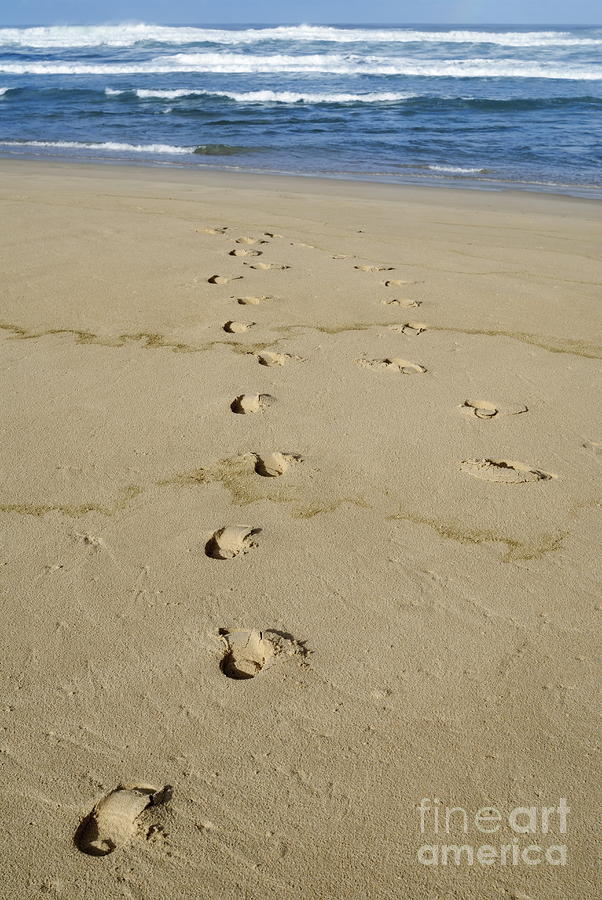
(265, 96)
(457, 170)
(128, 34)
(333, 63)
(106, 145)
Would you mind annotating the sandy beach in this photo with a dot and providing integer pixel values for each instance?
(299, 517)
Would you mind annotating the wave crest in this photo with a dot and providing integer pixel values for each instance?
(116, 146)
(264, 96)
(130, 34)
(333, 63)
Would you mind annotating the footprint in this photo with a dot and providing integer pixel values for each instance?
(404, 302)
(266, 266)
(375, 268)
(238, 327)
(272, 465)
(594, 447)
(270, 358)
(249, 240)
(395, 283)
(253, 301)
(394, 364)
(414, 328)
(251, 403)
(95, 544)
(341, 256)
(503, 470)
(221, 229)
(272, 234)
(248, 652)
(223, 279)
(112, 822)
(245, 253)
(302, 244)
(483, 409)
(231, 541)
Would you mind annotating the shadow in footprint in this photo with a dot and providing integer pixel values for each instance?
(231, 541)
(403, 302)
(251, 403)
(248, 652)
(223, 279)
(112, 821)
(272, 465)
(483, 409)
(504, 471)
(271, 358)
(253, 301)
(233, 327)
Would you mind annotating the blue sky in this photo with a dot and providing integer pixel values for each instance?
(25, 12)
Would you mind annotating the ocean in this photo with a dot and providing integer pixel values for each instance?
(480, 107)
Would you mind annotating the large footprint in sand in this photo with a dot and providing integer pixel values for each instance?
(223, 279)
(112, 822)
(505, 471)
(271, 358)
(403, 302)
(251, 403)
(253, 301)
(483, 409)
(242, 252)
(374, 268)
(231, 541)
(393, 364)
(233, 327)
(265, 267)
(248, 652)
(219, 229)
(272, 465)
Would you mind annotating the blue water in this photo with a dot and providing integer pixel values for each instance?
(481, 106)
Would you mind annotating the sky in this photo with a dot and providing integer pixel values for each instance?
(59, 12)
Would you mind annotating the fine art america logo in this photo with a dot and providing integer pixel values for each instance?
(525, 835)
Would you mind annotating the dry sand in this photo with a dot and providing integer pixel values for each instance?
(306, 532)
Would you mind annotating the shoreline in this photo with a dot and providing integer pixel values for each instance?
(443, 181)
(342, 187)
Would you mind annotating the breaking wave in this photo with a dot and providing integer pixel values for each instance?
(309, 64)
(115, 146)
(128, 35)
(264, 96)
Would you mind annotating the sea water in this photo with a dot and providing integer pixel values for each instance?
(482, 106)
